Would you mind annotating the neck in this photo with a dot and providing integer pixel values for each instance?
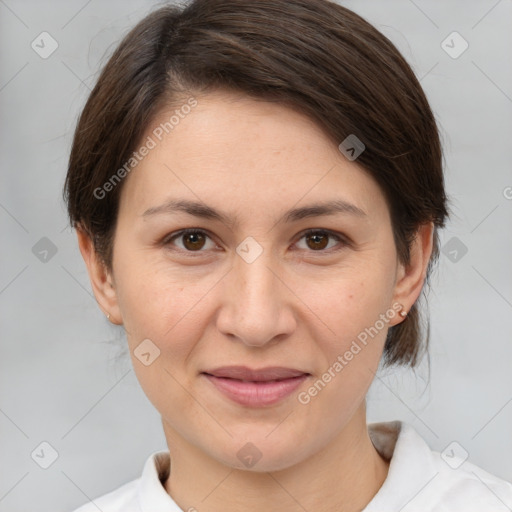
(343, 475)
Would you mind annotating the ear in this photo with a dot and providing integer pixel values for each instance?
(411, 278)
(101, 280)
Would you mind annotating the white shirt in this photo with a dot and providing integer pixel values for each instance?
(419, 480)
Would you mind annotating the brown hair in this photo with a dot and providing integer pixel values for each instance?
(314, 55)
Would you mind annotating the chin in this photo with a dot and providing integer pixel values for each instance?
(261, 454)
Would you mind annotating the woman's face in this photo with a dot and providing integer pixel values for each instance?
(253, 288)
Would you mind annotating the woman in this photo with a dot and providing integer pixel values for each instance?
(257, 189)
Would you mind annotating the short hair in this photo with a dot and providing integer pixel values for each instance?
(315, 56)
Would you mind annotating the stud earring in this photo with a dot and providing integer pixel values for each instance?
(403, 313)
(108, 316)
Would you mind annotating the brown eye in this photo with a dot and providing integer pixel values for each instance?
(192, 240)
(318, 240)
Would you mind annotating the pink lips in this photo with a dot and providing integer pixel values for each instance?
(256, 388)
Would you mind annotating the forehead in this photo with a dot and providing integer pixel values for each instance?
(236, 150)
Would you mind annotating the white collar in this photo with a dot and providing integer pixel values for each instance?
(411, 457)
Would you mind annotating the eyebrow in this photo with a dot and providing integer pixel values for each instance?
(204, 211)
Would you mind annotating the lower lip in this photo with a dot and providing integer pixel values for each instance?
(256, 394)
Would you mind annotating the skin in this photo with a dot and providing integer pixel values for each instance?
(296, 305)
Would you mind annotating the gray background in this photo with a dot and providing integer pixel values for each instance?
(61, 378)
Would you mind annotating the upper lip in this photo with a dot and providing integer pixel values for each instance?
(262, 374)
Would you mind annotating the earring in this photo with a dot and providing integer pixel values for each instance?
(403, 313)
(108, 316)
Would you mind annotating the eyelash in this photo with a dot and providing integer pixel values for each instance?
(341, 239)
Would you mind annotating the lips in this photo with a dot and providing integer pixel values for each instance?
(243, 373)
(255, 387)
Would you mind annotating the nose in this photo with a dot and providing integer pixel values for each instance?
(257, 305)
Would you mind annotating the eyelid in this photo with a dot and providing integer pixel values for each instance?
(342, 239)
(177, 234)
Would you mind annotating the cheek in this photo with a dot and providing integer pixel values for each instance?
(358, 318)
(355, 311)
(167, 312)
(350, 298)
(161, 303)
